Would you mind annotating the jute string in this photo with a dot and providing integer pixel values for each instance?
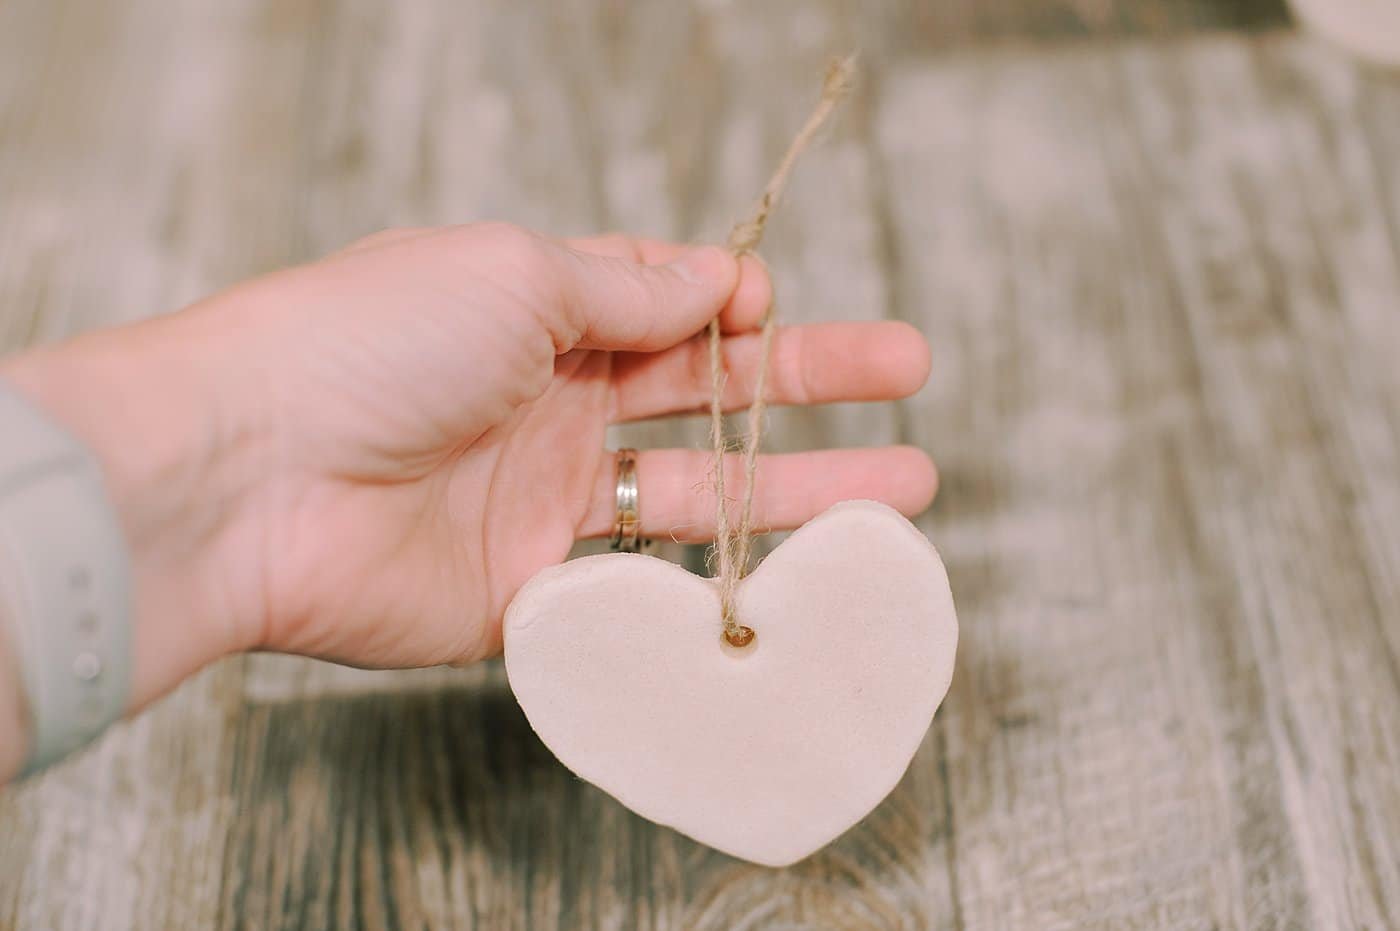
(734, 541)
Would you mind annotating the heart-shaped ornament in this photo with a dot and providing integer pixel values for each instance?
(766, 752)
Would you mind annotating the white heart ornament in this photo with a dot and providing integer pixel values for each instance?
(766, 752)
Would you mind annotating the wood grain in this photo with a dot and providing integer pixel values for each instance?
(1159, 264)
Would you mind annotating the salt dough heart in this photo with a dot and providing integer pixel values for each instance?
(767, 752)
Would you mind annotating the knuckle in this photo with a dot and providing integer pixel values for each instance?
(508, 241)
(794, 378)
(616, 244)
(636, 298)
(640, 288)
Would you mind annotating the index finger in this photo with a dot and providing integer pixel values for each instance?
(745, 309)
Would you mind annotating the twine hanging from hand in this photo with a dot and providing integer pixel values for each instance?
(734, 542)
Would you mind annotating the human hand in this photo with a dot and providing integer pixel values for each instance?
(364, 458)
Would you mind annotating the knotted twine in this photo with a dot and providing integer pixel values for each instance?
(734, 542)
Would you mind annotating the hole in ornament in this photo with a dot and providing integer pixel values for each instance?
(739, 643)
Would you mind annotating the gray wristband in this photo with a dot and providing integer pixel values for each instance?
(65, 579)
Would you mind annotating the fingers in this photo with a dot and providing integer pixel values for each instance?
(589, 301)
(745, 309)
(677, 496)
(610, 292)
(815, 364)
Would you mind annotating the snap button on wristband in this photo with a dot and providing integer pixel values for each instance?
(65, 577)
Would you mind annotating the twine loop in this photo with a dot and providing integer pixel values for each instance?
(734, 542)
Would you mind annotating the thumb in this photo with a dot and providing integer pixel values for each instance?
(602, 302)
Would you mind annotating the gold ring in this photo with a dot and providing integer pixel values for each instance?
(627, 525)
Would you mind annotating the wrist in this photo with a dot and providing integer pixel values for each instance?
(155, 416)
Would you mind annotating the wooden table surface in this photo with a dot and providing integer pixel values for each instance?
(1156, 247)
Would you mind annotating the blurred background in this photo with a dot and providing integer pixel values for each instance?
(1155, 245)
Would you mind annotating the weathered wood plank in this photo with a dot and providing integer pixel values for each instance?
(1150, 435)
(1160, 284)
(907, 28)
(1312, 442)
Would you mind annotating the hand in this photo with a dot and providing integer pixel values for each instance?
(364, 458)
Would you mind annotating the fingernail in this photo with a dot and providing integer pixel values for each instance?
(705, 265)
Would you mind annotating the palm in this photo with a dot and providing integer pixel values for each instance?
(544, 464)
